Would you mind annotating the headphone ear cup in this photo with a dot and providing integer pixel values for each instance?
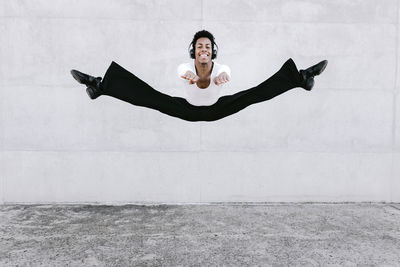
(192, 53)
(214, 54)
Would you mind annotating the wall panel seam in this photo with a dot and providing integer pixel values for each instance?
(239, 21)
(392, 173)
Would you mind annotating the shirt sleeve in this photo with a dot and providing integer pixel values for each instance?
(224, 68)
(183, 68)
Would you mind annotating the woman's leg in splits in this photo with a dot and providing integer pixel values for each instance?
(286, 78)
(122, 84)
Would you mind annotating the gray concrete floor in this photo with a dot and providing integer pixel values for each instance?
(200, 235)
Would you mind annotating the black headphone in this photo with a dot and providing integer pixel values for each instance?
(214, 51)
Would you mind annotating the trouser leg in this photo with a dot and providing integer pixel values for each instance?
(122, 84)
(286, 78)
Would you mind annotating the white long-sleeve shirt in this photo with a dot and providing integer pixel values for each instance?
(199, 96)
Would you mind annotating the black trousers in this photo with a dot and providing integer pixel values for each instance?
(121, 84)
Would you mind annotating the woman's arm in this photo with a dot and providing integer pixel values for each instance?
(187, 73)
(223, 75)
(224, 68)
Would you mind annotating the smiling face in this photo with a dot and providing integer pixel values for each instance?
(203, 50)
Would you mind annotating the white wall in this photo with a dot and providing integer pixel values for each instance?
(339, 142)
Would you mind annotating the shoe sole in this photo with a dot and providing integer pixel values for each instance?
(89, 91)
(76, 77)
(311, 84)
(92, 93)
(323, 67)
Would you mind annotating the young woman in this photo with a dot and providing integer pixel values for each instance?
(204, 78)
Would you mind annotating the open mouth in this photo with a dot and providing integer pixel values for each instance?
(205, 55)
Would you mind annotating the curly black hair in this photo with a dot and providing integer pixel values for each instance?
(200, 34)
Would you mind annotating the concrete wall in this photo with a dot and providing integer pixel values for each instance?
(339, 142)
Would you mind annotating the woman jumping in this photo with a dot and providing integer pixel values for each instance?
(204, 78)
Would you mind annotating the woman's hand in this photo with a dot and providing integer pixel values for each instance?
(193, 78)
(222, 78)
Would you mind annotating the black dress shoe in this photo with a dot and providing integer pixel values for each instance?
(93, 92)
(93, 84)
(308, 74)
(86, 79)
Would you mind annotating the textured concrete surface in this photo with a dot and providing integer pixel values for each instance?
(200, 235)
